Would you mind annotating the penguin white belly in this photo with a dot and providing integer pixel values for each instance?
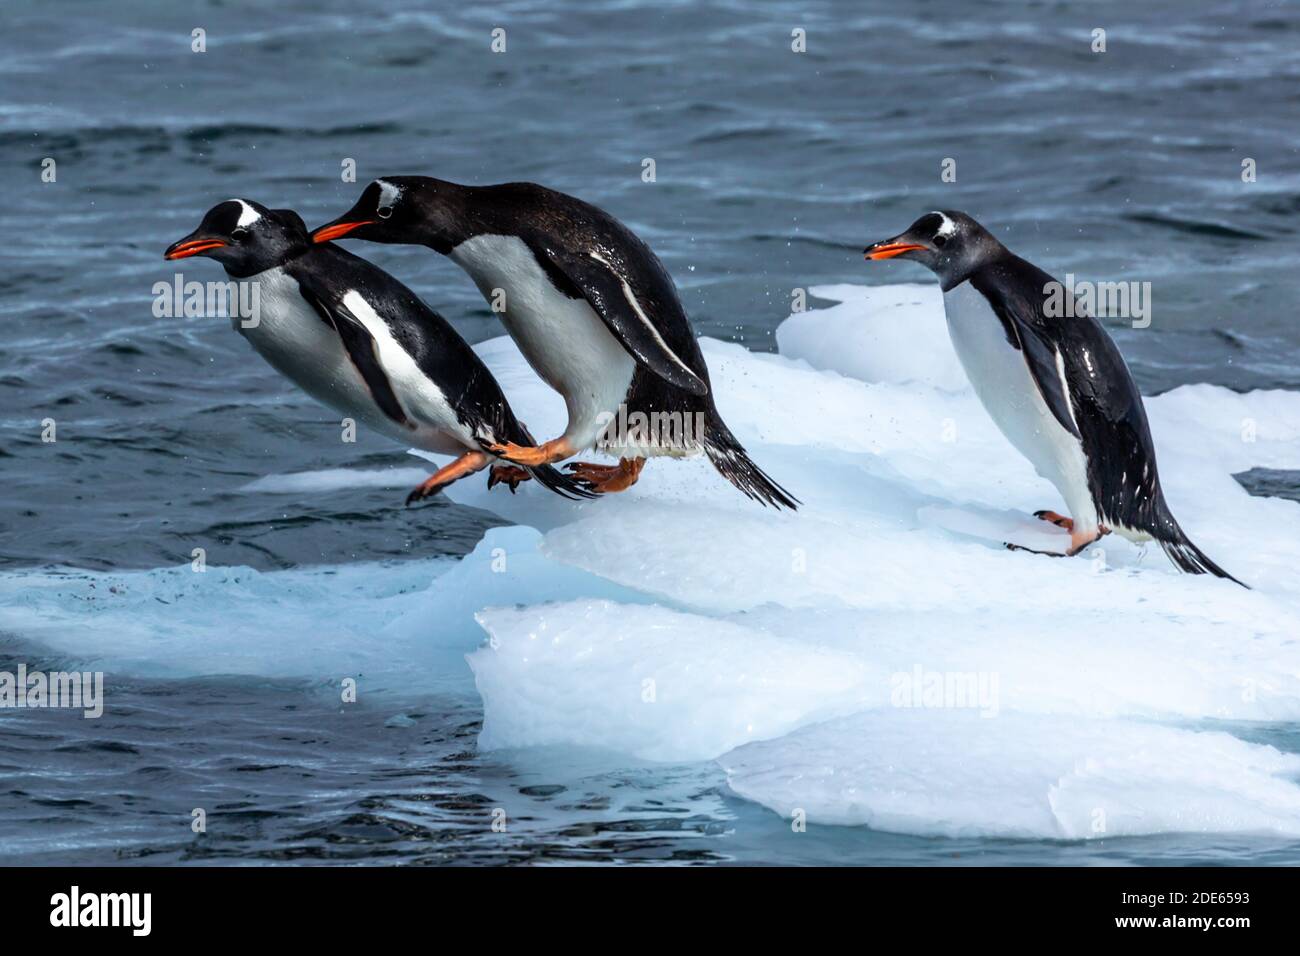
(563, 339)
(298, 343)
(1001, 379)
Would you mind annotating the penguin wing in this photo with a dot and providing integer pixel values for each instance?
(361, 348)
(628, 316)
(1023, 321)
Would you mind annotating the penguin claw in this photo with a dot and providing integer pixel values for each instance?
(508, 475)
(1059, 520)
(1078, 542)
(1020, 547)
(1010, 546)
(428, 489)
(419, 494)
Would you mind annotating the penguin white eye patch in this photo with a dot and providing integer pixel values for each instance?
(388, 194)
(247, 214)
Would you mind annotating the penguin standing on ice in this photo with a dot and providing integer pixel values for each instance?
(592, 309)
(356, 339)
(1057, 387)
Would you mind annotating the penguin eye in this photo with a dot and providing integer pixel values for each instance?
(940, 241)
(241, 233)
(383, 212)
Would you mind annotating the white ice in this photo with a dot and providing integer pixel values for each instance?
(820, 656)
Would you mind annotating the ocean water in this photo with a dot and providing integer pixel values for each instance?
(772, 171)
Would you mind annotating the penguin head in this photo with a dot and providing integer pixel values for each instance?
(387, 211)
(951, 244)
(244, 236)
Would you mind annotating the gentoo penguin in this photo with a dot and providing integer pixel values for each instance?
(592, 309)
(358, 340)
(1057, 387)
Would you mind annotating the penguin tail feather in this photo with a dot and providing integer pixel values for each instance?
(1191, 559)
(1186, 556)
(731, 460)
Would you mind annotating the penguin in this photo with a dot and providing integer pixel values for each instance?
(356, 339)
(1057, 387)
(592, 309)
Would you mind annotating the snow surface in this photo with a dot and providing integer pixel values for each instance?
(875, 658)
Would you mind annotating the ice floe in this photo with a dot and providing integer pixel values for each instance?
(876, 658)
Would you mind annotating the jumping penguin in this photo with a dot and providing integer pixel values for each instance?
(359, 341)
(592, 309)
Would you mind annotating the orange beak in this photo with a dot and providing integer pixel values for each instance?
(338, 230)
(887, 250)
(192, 247)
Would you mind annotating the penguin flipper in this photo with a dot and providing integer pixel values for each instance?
(361, 349)
(1022, 320)
(612, 297)
(1042, 360)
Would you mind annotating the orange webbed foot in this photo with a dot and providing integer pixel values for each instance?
(607, 479)
(509, 475)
